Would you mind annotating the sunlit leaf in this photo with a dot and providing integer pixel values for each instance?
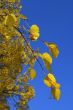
(47, 60)
(10, 20)
(32, 73)
(49, 80)
(16, 52)
(47, 83)
(48, 66)
(34, 28)
(23, 17)
(13, 1)
(34, 32)
(56, 93)
(53, 49)
(51, 77)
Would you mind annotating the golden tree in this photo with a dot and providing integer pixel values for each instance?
(15, 50)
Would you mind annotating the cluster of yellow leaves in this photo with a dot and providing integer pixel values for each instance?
(3, 106)
(28, 95)
(50, 81)
(15, 51)
(34, 32)
(11, 58)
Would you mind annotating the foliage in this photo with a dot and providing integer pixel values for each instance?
(15, 50)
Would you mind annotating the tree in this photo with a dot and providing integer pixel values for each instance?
(15, 50)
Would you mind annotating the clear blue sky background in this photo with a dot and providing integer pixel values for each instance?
(55, 19)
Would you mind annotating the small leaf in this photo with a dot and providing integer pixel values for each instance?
(53, 49)
(32, 74)
(47, 58)
(34, 32)
(10, 20)
(47, 61)
(47, 83)
(23, 17)
(48, 67)
(56, 93)
(49, 79)
(12, 1)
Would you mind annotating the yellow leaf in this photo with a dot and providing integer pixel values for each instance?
(34, 32)
(47, 58)
(12, 1)
(56, 85)
(23, 17)
(49, 79)
(56, 93)
(34, 28)
(47, 83)
(32, 73)
(47, 61)
(48, 67)
(34, 36)
(10, 20)
(53, 49)
(7, 37)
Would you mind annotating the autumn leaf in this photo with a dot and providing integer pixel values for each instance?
(10, 20)
(56, 93)
(23, 17)
(13, 1)
(53, 49)
(49, 80)
(34, 32)
(47, 59)
(32, 73)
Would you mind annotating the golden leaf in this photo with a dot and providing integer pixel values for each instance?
(10, 20)
(49, 80)
(53, 49)
(34, 36)
(47, 60)
(56, 93)
(23, 17)
(34, 28)
(32, 73)
(34, 32)
(47, 83)
(12, 1)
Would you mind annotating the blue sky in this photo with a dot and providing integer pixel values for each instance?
(55, 19)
